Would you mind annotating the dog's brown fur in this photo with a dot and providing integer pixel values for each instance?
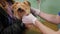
(25, 6)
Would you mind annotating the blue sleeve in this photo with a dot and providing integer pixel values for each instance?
(59, 13)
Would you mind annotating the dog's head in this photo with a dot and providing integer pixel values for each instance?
(20, 9)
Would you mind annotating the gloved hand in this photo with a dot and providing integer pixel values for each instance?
(29, 19)
(35, 11)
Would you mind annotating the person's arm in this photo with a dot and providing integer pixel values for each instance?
(44, 28)
(49, 17)
(30, 19)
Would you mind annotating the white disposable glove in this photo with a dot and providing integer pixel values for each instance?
(29, 19)
(35, 11)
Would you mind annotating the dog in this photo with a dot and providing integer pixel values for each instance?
(21, 8)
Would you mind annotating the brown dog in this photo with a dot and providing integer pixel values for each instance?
(20, 9)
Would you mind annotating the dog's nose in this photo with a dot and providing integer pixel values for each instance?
(20, 10)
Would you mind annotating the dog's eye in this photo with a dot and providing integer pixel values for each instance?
(20, 10)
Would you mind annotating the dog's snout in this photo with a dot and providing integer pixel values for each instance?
(20, 10)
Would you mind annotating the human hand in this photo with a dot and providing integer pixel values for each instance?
(35, 11)
(29, 19)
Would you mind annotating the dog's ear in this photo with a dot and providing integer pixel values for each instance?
(27, 3)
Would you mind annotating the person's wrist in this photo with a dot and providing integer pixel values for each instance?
(39, 14)
(34, 21)
(35, 11)
(37, 21)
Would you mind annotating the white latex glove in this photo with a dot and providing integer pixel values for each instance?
(29, 19)
(35, 11)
